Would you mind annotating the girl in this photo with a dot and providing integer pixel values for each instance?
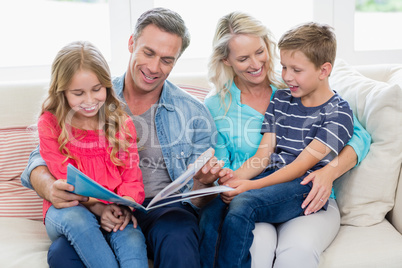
(82, 123)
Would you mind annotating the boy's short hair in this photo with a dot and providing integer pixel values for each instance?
(317, 41)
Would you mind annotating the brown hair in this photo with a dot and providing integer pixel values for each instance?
(316, 41)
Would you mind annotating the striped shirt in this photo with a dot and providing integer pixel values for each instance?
(296, 126)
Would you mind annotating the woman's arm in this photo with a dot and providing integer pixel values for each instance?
(350, 156)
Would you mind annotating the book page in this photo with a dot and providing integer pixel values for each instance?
(181, 181)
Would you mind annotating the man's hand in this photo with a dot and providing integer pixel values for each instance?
(209, 173)
(205, 178)
(54, 191)
(61, 197)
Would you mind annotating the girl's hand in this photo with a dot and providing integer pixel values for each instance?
(111, 218)
(320, 192)
(127, 216)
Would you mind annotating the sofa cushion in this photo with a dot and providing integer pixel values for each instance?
(15, 200)
(367, 192)
(24, 243)
(374, 246)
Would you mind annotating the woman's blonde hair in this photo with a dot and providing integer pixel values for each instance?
(235, 23)
(82, 55)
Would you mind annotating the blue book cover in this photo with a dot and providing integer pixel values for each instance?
(84, 185)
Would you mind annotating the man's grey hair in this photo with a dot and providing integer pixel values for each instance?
(165, 19)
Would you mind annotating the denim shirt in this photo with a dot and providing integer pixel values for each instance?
(185, 129)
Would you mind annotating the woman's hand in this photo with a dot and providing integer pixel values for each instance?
(322, 180)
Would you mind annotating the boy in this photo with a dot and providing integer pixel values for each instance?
(305, 126)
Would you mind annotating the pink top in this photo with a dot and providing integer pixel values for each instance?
(91, 150)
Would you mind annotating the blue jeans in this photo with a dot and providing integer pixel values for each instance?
(97, 248)
(172, 235)
(171, 232)
(226, 231)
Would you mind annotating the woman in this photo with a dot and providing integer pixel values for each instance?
(242, 70)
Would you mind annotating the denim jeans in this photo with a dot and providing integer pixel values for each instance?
(172, 235)
(95, 247)
(226, 231)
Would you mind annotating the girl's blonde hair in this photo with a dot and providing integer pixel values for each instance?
(235, 23)
(82, 55)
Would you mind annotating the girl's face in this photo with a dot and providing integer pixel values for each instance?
(85, 95)
(248, 57)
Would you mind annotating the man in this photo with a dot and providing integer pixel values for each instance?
(174, 129)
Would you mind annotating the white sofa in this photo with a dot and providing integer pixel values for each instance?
(369, 197)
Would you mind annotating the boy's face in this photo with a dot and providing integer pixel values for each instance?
(299, 73)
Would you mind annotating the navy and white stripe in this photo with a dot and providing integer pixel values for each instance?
(296, 126)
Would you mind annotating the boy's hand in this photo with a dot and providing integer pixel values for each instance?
(226, 175)
(240, 187)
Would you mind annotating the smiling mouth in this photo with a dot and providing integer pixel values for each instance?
(89, 109)
(149, 77)
(293, 88)
(256, 72)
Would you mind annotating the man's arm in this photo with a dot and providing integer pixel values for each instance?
(37, 176)
(55, 191)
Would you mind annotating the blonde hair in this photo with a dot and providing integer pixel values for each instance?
(316, 41)
(82, 55)
(235, 23)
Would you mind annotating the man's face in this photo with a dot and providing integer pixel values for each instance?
(153, 56)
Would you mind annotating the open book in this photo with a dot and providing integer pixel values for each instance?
(83, 185)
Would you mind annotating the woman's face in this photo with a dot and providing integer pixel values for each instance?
(248, 57)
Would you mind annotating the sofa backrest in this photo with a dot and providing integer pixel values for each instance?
(20, 102)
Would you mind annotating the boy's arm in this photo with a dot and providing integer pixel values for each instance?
(310, 156)
(258, 162)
